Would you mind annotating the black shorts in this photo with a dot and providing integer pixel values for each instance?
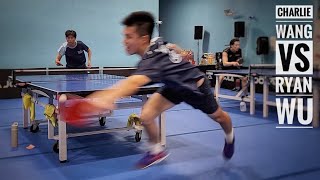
(203, 101)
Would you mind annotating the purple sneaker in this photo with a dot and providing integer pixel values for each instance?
(151, 159)
(228, 149)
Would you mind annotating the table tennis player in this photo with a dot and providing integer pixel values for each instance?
(183, 82)
(73, 50)
(232, 59)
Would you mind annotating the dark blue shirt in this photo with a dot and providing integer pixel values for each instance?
(75, 56)
(162, 65)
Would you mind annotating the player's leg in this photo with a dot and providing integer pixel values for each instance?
(207, 104)
(221, 78)
(155, 105)
(215, 112)
(244, 82)
(237, 84)
(225, 122)
(223, 119)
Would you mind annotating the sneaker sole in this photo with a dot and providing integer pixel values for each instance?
(156, 162)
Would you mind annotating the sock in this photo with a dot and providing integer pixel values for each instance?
(155, 148)
(229, 137)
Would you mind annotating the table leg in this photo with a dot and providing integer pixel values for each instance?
(62, 133)
(50, 126)
(217, 88)
(162, 129)
(252, 96)
(25, 112)
(265, 97)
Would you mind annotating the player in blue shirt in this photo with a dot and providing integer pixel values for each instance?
(183, 82)
(73, 50)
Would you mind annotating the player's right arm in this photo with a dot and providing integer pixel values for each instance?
(105, 99)
(61, 52)
(147, 71)
(58, 60)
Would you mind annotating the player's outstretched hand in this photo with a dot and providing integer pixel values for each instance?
(58, 63)
(89, 65)
(236, 64)
(240, 61)
(77, 110)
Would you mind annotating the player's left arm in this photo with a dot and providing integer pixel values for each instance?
(88, 50)
(89, 57)
(240, 60)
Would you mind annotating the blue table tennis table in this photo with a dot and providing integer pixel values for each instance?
(53, 86)
(268, 72)
(239, 73)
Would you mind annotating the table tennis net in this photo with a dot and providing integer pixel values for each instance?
(43, 75)
(262, 69)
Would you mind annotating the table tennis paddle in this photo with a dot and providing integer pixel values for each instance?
(76, 110)
(240, 60)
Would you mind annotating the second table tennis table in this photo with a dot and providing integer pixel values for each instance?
(267, 71)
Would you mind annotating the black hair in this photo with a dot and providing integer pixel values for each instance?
(142, 20)
(71, 33)
(233, 41)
